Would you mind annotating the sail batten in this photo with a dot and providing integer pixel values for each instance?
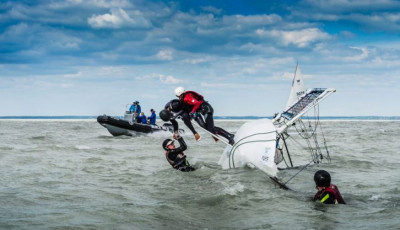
(312, 98)
(302, 103)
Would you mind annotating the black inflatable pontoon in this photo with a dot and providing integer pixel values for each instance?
(119, 127)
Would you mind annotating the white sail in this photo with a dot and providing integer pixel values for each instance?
(298, 88)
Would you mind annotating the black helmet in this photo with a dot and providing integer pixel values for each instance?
(322, 178)
(165, 115)
(167, 142)
(176, 105)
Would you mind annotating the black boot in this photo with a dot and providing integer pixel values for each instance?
(225, 134)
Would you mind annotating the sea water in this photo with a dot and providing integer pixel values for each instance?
(72, 174)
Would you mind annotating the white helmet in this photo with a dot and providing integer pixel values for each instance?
(179, 90)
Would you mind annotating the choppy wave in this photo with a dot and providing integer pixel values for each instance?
(74, 174)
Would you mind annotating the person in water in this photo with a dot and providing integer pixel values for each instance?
(174, 110)
(175, 156)
(152, 117)
(327, 193)
(199, 108)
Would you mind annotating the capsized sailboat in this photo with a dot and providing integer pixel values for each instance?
(263, 143)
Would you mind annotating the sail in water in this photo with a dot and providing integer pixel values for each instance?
(298, 88)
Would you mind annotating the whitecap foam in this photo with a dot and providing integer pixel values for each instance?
(82, 147)
(234, 190)
(375, 197)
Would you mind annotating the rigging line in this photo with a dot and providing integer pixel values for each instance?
(303, 132)
(323, 137)
(310, 148)
(303, 127)
(298, 172)
(317, 145)
(296, 142)
(303, 147)
(299, 145)
(314, 152)
(317, 148)
(316, 114)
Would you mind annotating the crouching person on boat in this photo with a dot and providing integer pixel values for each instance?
(327, 193)
(142, 118)
(175, 156)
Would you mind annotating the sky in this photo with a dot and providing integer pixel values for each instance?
(94, 57)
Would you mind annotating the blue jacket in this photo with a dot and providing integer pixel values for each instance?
(132, 108)
(152, 118)
(138, 109)
(142, 119)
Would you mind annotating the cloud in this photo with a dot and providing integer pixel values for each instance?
(165, 79)
(13, 32)
(168, 79)
(389, 22)
(252, 20)
(118, 18)
(299, 38)
(74, 75)
(194, 61)
(360, 57)
(369, 15)
(89, 3)
(345, 6)
(224, 85)
(165, 55)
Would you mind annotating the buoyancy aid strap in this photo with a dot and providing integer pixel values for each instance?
(181, 160)
(169, 161)
(325, 198)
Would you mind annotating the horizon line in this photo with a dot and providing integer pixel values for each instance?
(370, 117)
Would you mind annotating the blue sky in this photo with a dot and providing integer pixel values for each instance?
(92, 57)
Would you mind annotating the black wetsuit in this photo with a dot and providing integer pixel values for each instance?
(177, 158)
(183, 114)
(204, 114)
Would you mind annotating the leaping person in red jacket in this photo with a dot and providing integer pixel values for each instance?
(200, 108)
